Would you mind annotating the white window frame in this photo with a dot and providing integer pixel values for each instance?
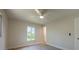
(31, 29)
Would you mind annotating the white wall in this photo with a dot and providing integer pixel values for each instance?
(17, 34)
(4, 30)
(58, 33)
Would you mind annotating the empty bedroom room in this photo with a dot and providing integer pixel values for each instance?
(39, 29)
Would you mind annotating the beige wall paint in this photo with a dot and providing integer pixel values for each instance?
(17, 34)
(58, 33)
(4, 30)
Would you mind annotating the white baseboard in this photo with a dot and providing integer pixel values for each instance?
(58, 46)
(22, 45)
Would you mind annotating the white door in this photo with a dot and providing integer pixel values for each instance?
(77, 33)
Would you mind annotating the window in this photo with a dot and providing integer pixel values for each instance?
(30, 33)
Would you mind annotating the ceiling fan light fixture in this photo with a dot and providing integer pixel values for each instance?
(41, 17)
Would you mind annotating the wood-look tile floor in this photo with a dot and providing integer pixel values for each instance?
(39, 47)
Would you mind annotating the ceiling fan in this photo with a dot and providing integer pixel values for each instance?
(40, 12)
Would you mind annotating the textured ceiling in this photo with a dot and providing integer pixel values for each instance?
(32, 16)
